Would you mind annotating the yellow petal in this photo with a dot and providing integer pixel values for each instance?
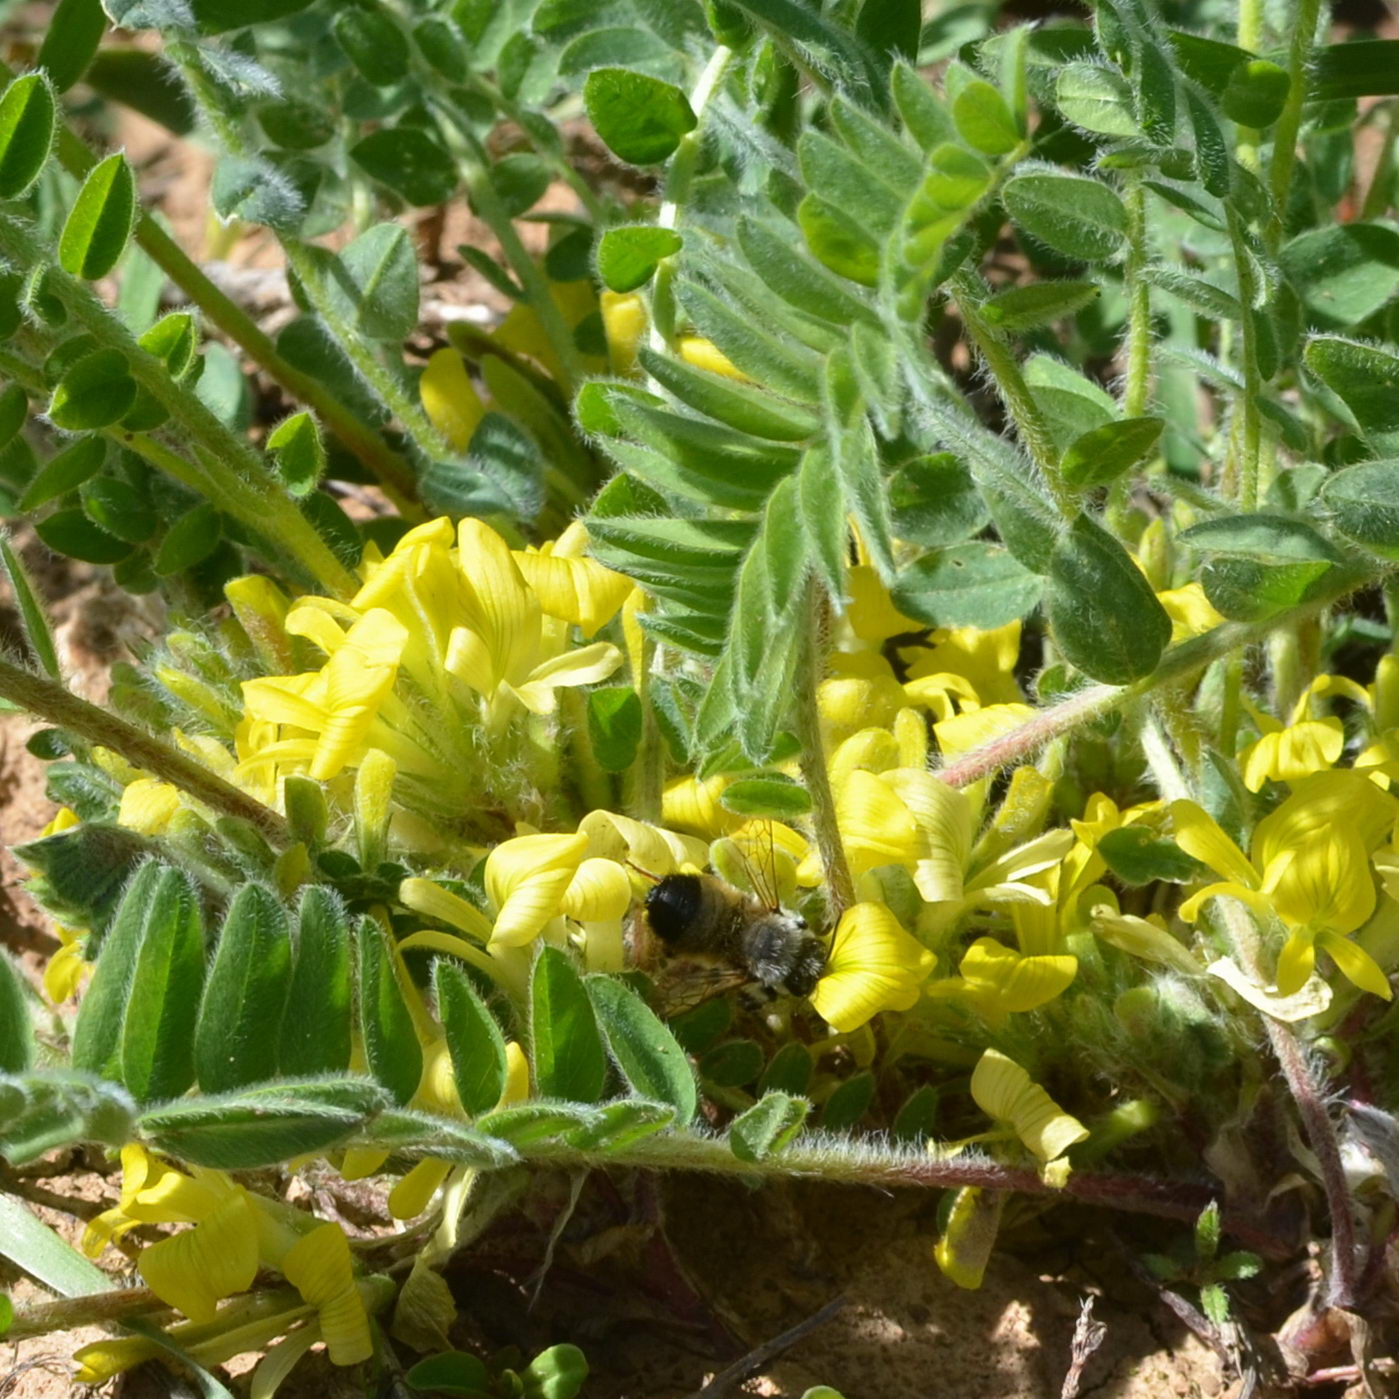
(964, 732)
(516, 1076)
(1200, 835)
(874, 750)
(651, 848)
(63, 972)
(1012, 983)
(870, 611)
(192, 1270)
(102, 1360)
(497, 604)
(319, 1268)
(878, 829)
(599, 891)
(413, 1193)
(945, 820)
(576, 590)
(624, 320)
(1004, 1091)
(1299, 751)
(442, 906)
(1140, 937)
(874, 965)
(585, 665)
(692, 805)
(965, 1247)
(1190, 611)
(1258, 902)
(526, 878)
(1296, 962)
(1355, 964)
(851, 703)
(705, 354)
(1326, 881)
(450, 398)
(1339, 799)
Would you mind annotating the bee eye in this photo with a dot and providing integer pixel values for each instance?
(799, 921)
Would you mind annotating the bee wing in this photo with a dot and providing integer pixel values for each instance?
(686, 985)
(759, 861)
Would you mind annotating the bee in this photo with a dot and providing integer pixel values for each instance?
(710, 937)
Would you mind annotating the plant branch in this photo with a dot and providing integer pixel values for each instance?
(1289, 123)
(57, 705)
(92, 1309)
(1178, 664)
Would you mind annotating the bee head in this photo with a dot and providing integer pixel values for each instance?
(673, 904)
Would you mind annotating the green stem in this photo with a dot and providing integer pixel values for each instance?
(488, 208)
(1289, 123)
(810, 666)
(389, 468)
(968, 292)
(1136, 391)
(57, 705)
(646, 781)
(91, 1309)
(229, 460)
(1178, 665)
(1253, 379)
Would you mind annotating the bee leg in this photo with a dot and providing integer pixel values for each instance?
(756, 995)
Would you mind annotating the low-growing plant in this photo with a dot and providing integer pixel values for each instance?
(938, 474)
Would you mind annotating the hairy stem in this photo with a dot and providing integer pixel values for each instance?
(57, 705)
(1179, 664)
(1289, 123)
(810, 658)
(968, 291)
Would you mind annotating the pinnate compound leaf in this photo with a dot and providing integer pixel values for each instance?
(28, 120)
(100, 221)
(240, 1019)
(640, 119)
(647, 1053)
(1103, 615)
(1080, 217)
(568, 1058)
(769, 1125)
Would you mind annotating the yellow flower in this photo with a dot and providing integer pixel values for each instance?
(1310, 870)
(1005, 1092)
(319, 1267)
(1190, 611)
(999, 981)
(984, 661)
(570, 587)
(874, 965)
(1308, 743)
(450, 399)
(624, 320)
(691, 804)
(705, 354)
(526, 878)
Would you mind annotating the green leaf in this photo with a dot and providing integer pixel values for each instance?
(473, 1039)
(614, 726)
(1137, 856)
(891, 27)
(740, 406)
(568, 1058)
(1105, 453)
(1211, 150)
(520, 181)
(923, 115)
(453, 1373)
(423, 1135)
(627, 257)
(164, 999)
(1256, 94)
(1360, 68)
(142, 81)
(100, 221)
(646, 1052)
(120, 509)
(969, 585)
(771, 796)
(409, 162)
(1102, 613)
(14, 409)
(983, 119)
(189, 541)
(1247, 590)
(70, 532)
(73, 33)
(155, 894)
(260, 1127)
(28, 120)
(1077, 216)
(315, 1035)
(94, 392)
(1362, 503)
(1207, 1233)
(934, 502)
(1344, 273)
(525, 1124)
(849, 1103)
(1266, 538)
(732, 1064)
(38, 635)
(556, 1373)
(1156, 94)
(173, 339)
(374, 288)
(1037, 304)
(840, 54)
(1366, 379)
(621, 1124)
(789, 1071)
(916, 1122)
(44, 1255)
(774, 254)
(391, 1048)
(296, 446)
(768, 1126)
(1096, 99)
(16, 1026)
(240, 1018)
(64, 472)
(255, 191)
(640, 119)
(440, 42)
(374, 44)
(839, 240)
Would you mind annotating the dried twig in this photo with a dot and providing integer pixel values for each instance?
(1088, 1336)
(730, 1378)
